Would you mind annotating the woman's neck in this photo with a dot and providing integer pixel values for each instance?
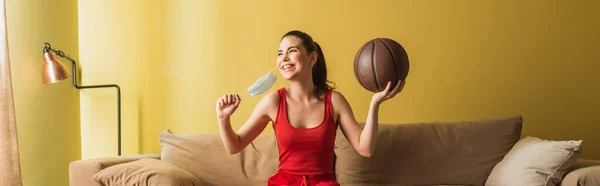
(301, 90)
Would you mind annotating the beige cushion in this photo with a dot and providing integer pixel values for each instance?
(588, 176)
(535, 162)
(205, 157)
(82, 171)
(147, 172)
(435, 153)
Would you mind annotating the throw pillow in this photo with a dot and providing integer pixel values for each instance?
(204, 156)
(146, 171)
(535, 162)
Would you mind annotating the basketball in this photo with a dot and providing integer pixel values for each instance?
(379, 61)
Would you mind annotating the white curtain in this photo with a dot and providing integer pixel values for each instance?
(10, 169)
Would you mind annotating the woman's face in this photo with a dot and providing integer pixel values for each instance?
(293, 60)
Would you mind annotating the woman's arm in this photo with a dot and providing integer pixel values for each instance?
(236, 141)
(362, 139)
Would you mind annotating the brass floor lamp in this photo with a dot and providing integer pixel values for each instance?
(54, 71)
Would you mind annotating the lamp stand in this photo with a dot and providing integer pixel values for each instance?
(60, 53)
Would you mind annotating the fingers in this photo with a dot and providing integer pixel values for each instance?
(398, 87)
(228, 99)
(234, 98)
(237, 99)
(220, 102)
(387, 87)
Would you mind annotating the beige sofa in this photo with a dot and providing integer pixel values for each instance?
(478, 152)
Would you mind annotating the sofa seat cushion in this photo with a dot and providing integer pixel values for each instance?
(586, 176)
(434, 153)
(147, 172)
(375, 184)
(536, 162)
(204, 156)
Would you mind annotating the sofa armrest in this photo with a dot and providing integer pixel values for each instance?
(82, 171)
(583, 173)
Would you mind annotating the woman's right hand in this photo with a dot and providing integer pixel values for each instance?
(227, 105)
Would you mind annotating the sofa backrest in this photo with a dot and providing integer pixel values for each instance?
(205, 157)
(435, 153)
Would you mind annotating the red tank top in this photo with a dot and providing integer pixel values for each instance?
(305, 151)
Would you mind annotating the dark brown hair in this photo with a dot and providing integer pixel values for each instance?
(319, 70)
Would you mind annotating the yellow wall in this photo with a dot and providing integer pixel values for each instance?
(120, 42)
(469, 60)
(47, 115)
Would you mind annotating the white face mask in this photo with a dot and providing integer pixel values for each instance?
(262, 84)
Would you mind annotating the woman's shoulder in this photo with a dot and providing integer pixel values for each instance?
(336, 96)
(338, 99)
(271, 98)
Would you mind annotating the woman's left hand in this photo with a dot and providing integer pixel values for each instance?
(387, 93)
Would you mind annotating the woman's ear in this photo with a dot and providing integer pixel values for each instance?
(313, 57)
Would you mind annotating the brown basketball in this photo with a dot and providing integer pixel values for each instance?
(379, 61)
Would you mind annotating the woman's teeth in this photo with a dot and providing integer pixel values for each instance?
(286, 67)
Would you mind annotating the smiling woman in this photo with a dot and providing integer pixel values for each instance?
(305, 116)
(317, 59)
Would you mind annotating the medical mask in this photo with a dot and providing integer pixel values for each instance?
(262, 84)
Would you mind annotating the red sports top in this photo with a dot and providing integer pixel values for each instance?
(305, 151)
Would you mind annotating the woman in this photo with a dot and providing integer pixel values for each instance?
(305, 116)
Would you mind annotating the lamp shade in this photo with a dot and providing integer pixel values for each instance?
(53, 70)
